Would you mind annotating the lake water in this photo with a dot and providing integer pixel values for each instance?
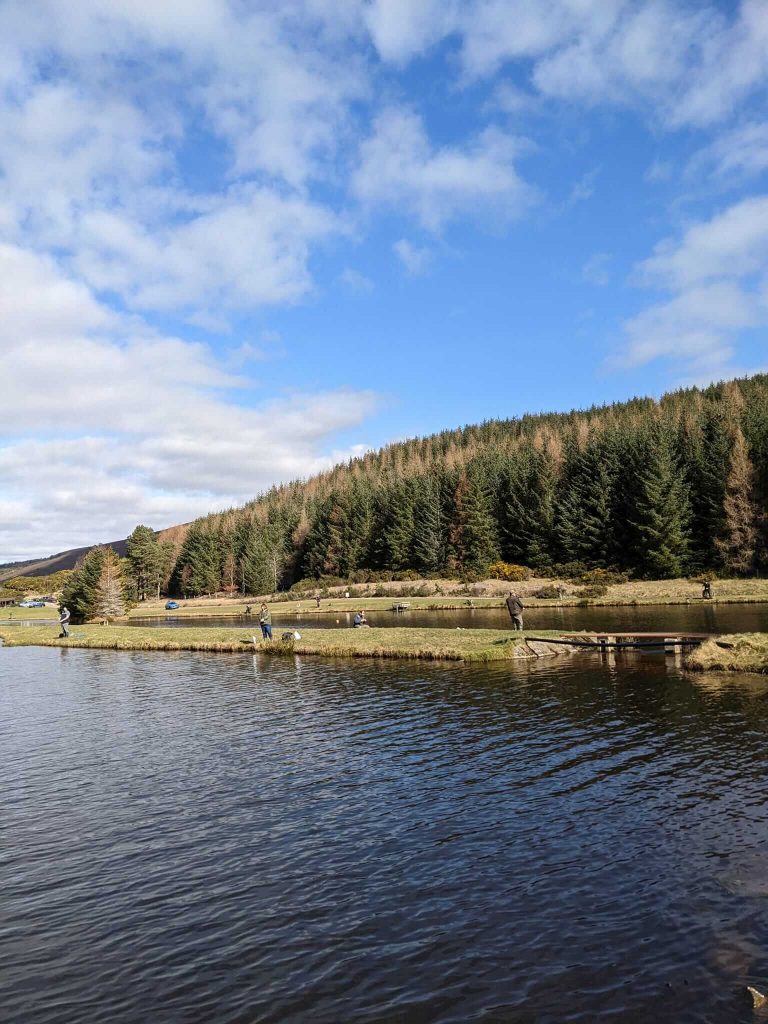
(231, 838)
(700, 618)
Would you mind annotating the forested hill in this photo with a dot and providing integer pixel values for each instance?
(659, 488)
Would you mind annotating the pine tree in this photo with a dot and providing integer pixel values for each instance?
(663, 511)
(741, 513)
(82, 593)
(109, 599)
(144, 558)
(584, 513)
(472, 527)
(428, 543)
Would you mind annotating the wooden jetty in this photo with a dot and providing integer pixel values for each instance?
(673, 642)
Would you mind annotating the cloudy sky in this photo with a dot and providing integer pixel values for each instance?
(241, 240)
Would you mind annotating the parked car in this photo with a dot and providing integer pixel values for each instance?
(170, 605)
(31, 604)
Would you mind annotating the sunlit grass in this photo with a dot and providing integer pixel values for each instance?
(738, 652)
(430, 644)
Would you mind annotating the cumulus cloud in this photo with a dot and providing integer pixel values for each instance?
(139, 426)
(685, 64)
(716, 279)
(110, 109)
(400, 167)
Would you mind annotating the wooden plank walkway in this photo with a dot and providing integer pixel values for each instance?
(671, 641)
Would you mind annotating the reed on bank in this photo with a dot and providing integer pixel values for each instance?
(737, 652)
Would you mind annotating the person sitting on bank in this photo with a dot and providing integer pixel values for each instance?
(359, 619)
(64, 617)
(706, 590)
(265, 621)
(515, 609)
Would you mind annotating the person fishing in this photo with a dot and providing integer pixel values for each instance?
(265, 621)
(515, 609)
(64, 618)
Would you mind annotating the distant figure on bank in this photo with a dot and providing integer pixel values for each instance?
(346, 593)
(515, 609)
(317, 600)
(247, 609)
(707, 590)
(359, 619)
(265, 621)
(64, 621)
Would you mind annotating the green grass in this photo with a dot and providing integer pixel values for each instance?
(429, 644)
(16, 614)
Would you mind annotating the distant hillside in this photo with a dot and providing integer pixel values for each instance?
(68, 559)
(655, 488)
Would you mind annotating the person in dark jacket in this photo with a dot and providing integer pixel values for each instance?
(515, 609)
(64, 622)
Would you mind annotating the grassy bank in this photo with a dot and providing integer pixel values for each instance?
(489, 594)
(739, 652)
(28, 614)
(427, 644)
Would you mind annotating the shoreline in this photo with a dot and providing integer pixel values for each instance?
(732, 652)
(351, 605)
(465, 645)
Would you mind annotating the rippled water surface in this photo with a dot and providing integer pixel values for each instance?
(198, 838)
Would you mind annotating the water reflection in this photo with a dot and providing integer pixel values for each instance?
(238, 838)
(702, 618)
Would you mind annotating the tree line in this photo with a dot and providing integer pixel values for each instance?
(655, 489)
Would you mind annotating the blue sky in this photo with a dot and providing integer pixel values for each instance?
(240, 241)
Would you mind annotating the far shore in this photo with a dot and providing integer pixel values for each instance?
(488, 594)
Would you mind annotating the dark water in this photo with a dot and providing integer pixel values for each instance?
(200, 838)
(700, 618)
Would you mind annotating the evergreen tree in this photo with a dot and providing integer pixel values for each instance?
(663, 512)
(739, 541)
(109, 597)
(144, 559)
(80, 591)
(472, 527)
(428, 541)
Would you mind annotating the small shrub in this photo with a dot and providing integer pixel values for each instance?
(596, 590)
(423, 591)
(508, 571)
(406, 575)
(548, 593)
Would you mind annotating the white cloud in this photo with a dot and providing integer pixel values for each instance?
(355, 280)
(401, 29)
(399, 167)
(99, 157)
(734, 156)
(414, 258)
(108, 423)
(733, 243)
(685, 64)
(717, 276)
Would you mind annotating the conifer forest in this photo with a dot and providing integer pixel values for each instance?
(657, 489)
